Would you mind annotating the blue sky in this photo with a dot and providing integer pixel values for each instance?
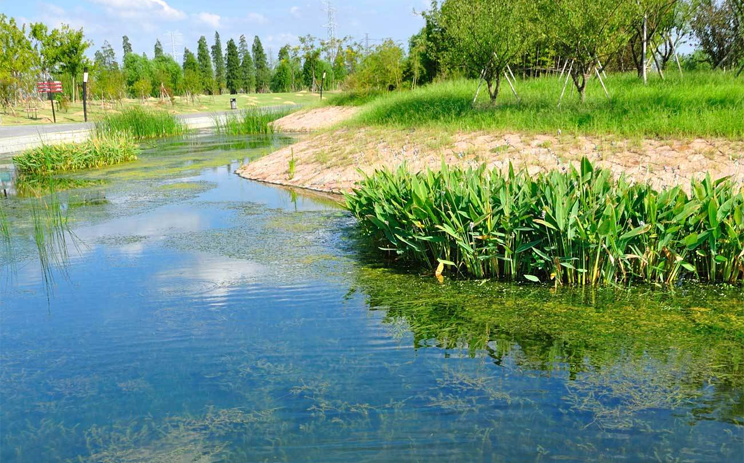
(277, 22)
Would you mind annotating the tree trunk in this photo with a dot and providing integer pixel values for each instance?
(579, 79)
(493, 87)
(74, 89)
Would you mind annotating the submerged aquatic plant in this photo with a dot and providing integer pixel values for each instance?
(97, 152)
(141, 124)
(580, 227)
(253, 121)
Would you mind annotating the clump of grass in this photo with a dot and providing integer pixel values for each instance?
(141, 124)
(253, 121)
(96, 152)
(578, 227)
(702, 104)
(292, 166)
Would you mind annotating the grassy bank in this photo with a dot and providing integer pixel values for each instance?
(253, 121)
(141, 124)
(575, 227)
(96, 152)
(697, 105)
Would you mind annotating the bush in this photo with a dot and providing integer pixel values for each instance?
(579, 227)
(96, 152)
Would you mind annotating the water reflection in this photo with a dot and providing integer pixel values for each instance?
(214, 319)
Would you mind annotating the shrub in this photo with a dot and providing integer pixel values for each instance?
(579, 227)
(97, 152)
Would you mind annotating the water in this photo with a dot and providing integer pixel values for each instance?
(202, 317)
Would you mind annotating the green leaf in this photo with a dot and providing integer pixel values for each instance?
(532, 278)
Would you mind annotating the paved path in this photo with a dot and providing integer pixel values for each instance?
(21, 137)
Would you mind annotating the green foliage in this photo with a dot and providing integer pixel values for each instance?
(219, 63)
(140, 124)
(719, 28)
(253, 121)
(578, 227)
(485, 36)
(126, 45)
(247, 69)
(261, 63)
(16, 59)
(233, 78)
(382, 69)
(281, 81)
(701, 104)
(205, 66)
(95, 153)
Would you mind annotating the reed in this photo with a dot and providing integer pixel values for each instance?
(253, 121)
(97, 152)
(141, 124)
(579, 227)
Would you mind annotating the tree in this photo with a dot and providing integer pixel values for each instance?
(651, 22)
(263, 73)
(427, 50)
(485, 36)
(586, 32)
(247, 70)
(339, 65)
(105, 58)
(281, 81)
(191, 80)
(137, 69)
(232, 76)
(219, 63)
(126, 45)
(382, 69)
(16, 59)
(158, 49)
(189, 61)
(46, 45)
(718, 27)
(167, 76)
(205, 66)
(72, 47)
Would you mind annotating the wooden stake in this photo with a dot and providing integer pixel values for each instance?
(566, 83)
(645, 45)
(480, 82)
(658, 67)
(563, 70)
(512, 86)
(596, 69)
(510, 72)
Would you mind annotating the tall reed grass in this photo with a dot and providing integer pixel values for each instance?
(253, 121)
(701, 104)
(141, 124)
(581, 227)
(96, 152)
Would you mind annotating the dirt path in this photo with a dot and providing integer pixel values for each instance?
(331, 161)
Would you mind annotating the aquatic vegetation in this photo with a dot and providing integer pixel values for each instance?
(253, 121)
(292, 166)
(579, 227)
(36, 186)
(95, 153)
(141, 124)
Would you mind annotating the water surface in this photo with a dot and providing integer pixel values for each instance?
(203, 317)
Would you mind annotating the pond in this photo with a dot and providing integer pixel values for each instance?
(175, 312)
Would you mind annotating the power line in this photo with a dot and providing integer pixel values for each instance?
(175, 39)
(331, 25)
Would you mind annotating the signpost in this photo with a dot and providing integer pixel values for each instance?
(85, 93)
(322, 84)
(50, 88)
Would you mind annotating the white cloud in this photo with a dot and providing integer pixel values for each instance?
(209, 19)
(257, 18)
(141, 9)
(295, 11)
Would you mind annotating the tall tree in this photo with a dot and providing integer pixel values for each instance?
(232, 73)
(46, 44)
(247, 70)
(106, 57)
(486, 35)
(587, 32)
(717, 25)
(191, 80)
(189, 61)
(263, 73)
(158, 49)
(205, 66)
(126, 45)
(16, 59)
(219, 63)
(72, 47)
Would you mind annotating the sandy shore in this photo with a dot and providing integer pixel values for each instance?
(333, 160)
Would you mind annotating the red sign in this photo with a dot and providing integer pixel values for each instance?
(49, 87)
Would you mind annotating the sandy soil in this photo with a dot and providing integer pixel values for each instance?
(314, 119)
(331, 161)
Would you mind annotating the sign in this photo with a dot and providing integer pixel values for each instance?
(49, 87)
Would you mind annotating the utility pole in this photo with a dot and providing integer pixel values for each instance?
(331, 28)
(366, 43)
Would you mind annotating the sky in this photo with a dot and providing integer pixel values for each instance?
(276, 22)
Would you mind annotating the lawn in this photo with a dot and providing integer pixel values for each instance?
(702, 104)
(204, 104)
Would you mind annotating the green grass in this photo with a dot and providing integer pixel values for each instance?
(579, 228)
(94, 153)
(253, 121)
(141, 124)
(704, 104)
